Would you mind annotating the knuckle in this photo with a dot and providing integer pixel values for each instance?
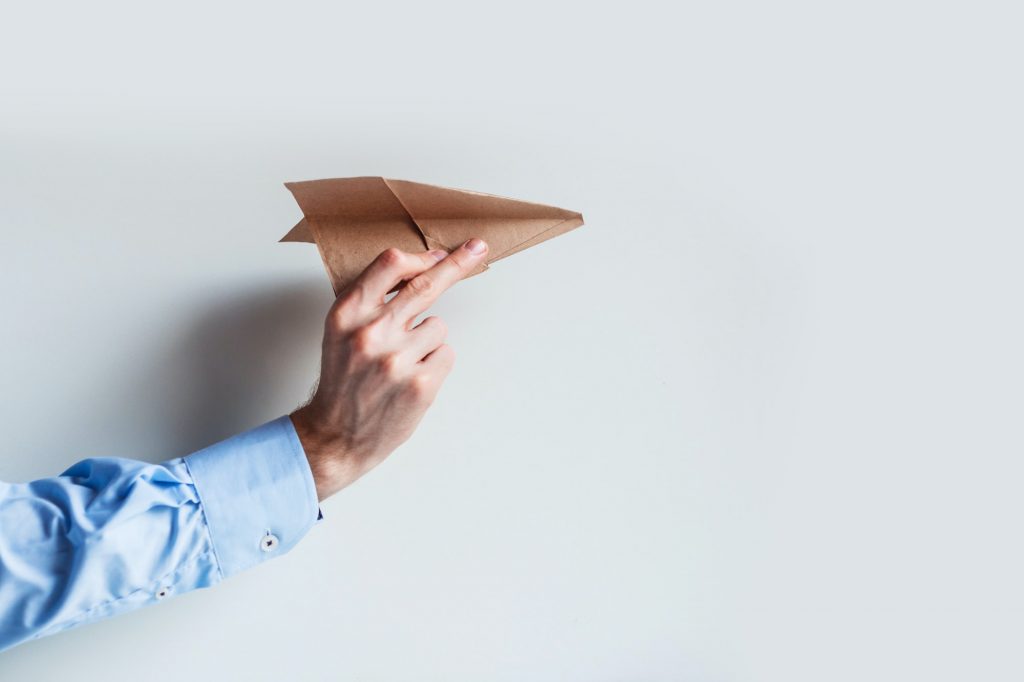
(390, 365)
(390, 257)
(368, 339)
(339, 317)
(336, 320)
(421, 386)
(422, 285)
(363, 341)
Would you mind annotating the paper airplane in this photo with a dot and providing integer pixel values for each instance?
(351, 220)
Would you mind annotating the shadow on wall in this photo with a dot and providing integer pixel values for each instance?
(240, 358)
(207, 368)
(247, 357)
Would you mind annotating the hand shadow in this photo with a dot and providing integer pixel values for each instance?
(247, 357)
(226, 363)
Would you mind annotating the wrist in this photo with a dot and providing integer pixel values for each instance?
(327, 457)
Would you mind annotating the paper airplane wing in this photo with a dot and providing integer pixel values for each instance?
(351, 220)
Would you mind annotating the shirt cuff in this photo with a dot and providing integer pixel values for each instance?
(257, 493)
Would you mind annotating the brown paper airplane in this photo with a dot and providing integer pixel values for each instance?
(351, 220)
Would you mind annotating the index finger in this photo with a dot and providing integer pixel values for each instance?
(421, 291)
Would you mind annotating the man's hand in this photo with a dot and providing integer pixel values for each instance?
(379, 374)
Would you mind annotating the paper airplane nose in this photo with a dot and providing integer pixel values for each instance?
(351, 220)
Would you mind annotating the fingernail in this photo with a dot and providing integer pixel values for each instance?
(438, 254)
(476, 246)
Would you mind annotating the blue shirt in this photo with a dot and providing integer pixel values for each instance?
(110, 535)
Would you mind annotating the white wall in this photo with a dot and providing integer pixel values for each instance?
(758, 420)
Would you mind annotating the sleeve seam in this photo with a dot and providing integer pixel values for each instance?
(206, 520)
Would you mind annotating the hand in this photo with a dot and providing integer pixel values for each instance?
(379, 374)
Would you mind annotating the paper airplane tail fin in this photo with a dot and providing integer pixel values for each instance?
(299, 233)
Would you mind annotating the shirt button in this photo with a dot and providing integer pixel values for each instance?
(269, 542)
(163, 592)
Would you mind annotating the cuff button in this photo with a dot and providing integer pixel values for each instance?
(269, 542)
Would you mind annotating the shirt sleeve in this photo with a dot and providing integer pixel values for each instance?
(110, 535)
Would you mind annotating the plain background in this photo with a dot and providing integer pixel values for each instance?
(759, 419)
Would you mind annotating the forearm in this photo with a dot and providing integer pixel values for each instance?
(111, 535)
(63, 542)
(332, 466)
